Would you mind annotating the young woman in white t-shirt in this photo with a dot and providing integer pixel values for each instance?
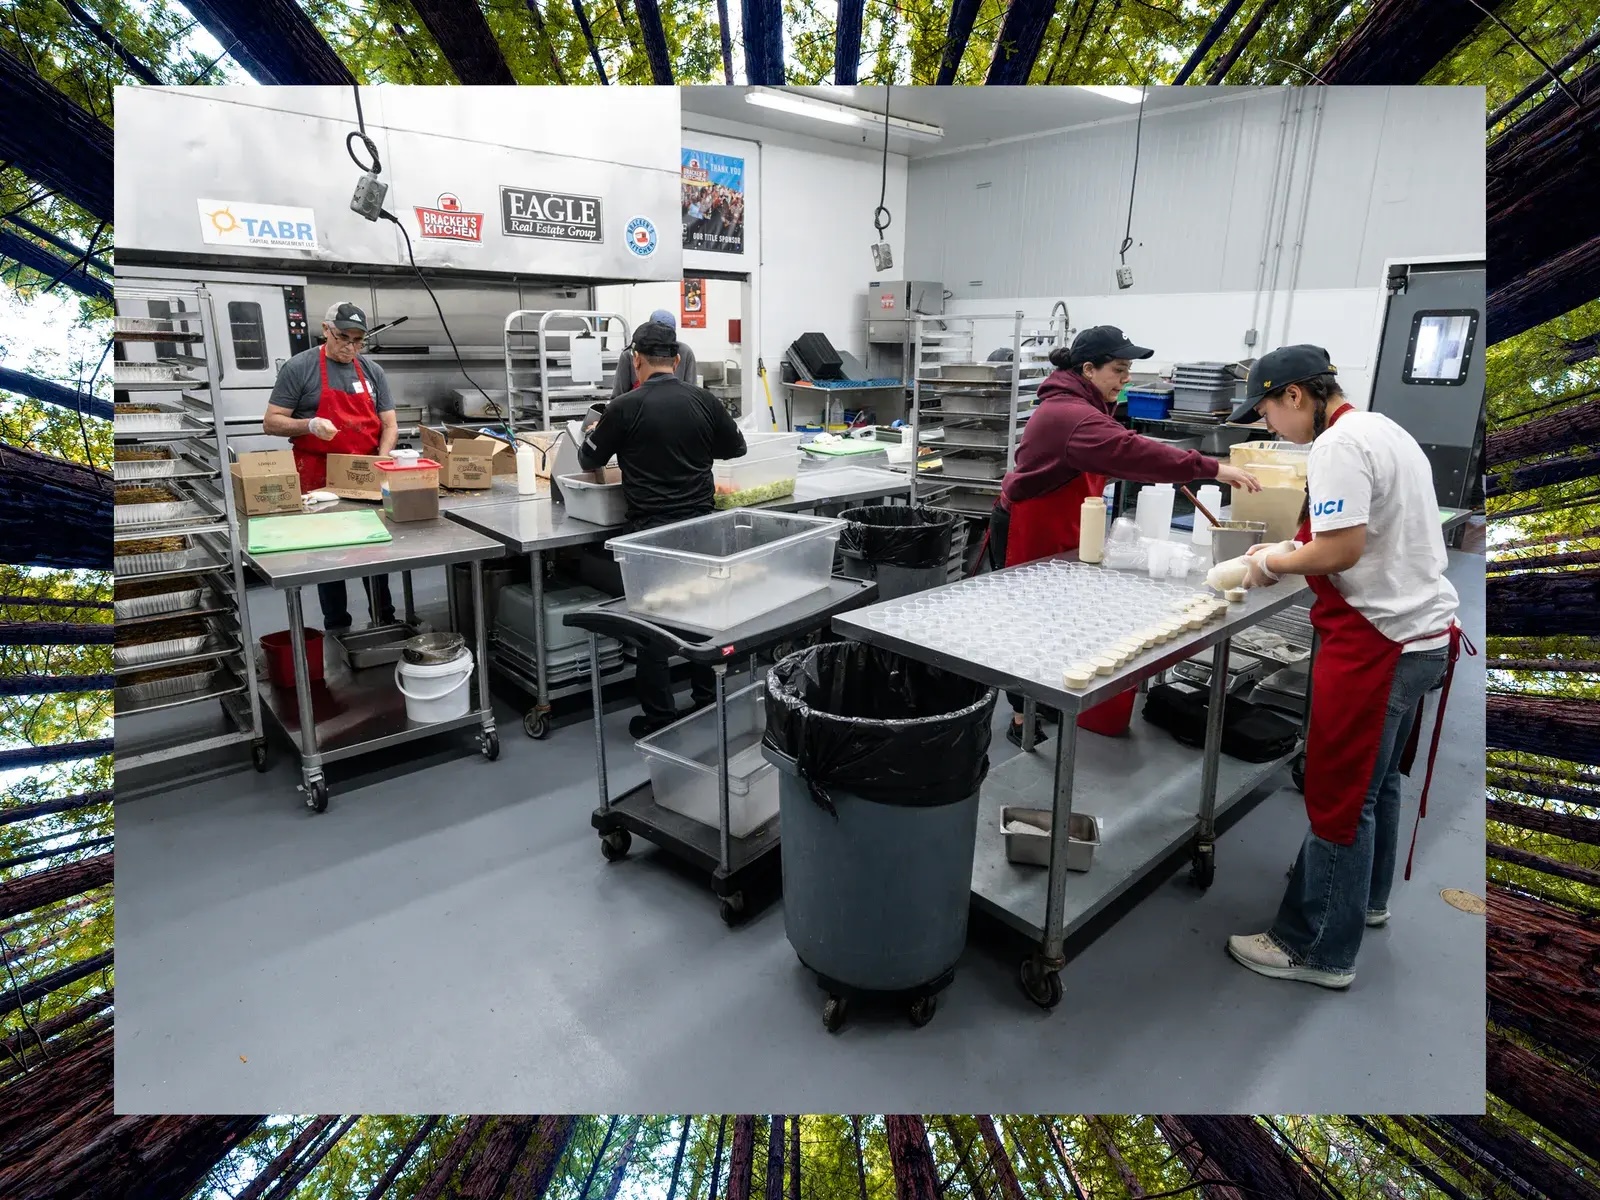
(1372, 549)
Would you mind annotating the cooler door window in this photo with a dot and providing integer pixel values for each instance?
(1440, 349)
(249, 335)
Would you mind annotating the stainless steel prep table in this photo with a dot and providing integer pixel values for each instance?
(353, 713)
(1140, 782)
(534, 526)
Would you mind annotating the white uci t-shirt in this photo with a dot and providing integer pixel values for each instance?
(1366, 470)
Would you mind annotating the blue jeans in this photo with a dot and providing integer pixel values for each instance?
(1333, 887)
(335, 601)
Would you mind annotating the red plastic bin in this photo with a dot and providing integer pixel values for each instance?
(1112, 717)
(279, 653)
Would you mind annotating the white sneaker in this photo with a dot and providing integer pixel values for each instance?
(1262, 955)
(1377, 917)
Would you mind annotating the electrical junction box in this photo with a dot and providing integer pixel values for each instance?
(368, 200)
(1124, 277)
(882, 256)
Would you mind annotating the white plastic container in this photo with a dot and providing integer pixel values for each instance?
(1153, 511)
(436, 693)
(683, 765)
(589, 498)
(527, 470)
(1211, 497)
(713, 573)
(772, 461)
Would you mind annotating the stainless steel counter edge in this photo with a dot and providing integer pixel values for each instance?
(1262, 603)
(416, 545)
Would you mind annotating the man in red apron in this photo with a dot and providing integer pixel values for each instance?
(1372, 550)
(336, 400)
(1069, 448)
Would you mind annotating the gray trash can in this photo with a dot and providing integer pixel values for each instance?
(880, 761)
(905, 549)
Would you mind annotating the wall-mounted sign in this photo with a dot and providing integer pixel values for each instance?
(642, 237)
(448, 223)
(264, 226)
(692, 304)
(713, 202)
(554, 216)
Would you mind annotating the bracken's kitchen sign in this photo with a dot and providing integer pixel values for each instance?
(448, 223)
(554, 216)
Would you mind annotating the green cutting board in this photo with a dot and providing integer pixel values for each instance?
(317, 531)
(844, 449)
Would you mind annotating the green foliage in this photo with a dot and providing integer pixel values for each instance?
(1492, 59)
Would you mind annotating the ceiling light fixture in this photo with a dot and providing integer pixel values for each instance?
(1128, 95)
(838, 114)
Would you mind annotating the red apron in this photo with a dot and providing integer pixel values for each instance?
(355, 414)
(1350, 681)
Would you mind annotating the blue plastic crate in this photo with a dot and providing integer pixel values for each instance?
(1149, 406)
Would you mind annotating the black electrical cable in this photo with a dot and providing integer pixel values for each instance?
(880, 215)
(1138, 132)
(361, 136)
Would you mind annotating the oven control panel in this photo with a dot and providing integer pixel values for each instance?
(294, 304)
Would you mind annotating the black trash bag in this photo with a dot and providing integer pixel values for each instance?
(897, 535)
(857, 719)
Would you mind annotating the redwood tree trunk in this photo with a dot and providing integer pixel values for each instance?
(1536, 1086)
(56, 883)
(435, 1186)
(677, 1163)
(1565, 430)
(71, 1019)
(1213, 1180)
(310, 1161)
(54, 685)
(744, 1153)
(1497, 1142)
(549, 1143)
(1005, 1175)
(861, 1157)
(1523, 816)
(407, 1153)
(775, 1142)
(486, 1177)
(594, 1167)
(914, 1174)
(1565, 729)
(1067, 1164)
(55, 633)
(58, 514)
(13, 998)
(1392, 46)
(716, 1159)
(466, 41)
(1108, 1142)
(623, 1161)
(1543, 603)
(41, 756)
(1541, 972)
(1250, 1157)
(1544, 789)
(285, 1158)
(1541, 863)
(794, 1157)
(26, 812)
(964, 1159)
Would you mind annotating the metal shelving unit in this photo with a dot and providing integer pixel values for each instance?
(538, 348)
(981, 407)
(198, 444)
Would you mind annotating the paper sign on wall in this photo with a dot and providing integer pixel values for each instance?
(692, 304)
(264, 226)
(713, 202)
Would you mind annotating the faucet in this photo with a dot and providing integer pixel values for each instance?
(1061, 307)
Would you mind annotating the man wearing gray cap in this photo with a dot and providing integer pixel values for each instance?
(336, 400)
(685, 370)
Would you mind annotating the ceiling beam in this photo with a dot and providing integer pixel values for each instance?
(1402, 40)
(273, 40)
(465, 39)
(54, 141)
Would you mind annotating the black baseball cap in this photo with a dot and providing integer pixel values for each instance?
(345, 315)
(1103, 341)
(1276, 370)
(655, 340)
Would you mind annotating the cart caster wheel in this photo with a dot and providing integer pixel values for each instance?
(491, 746)
(732, 908)
(614, 846)
(1203, 870)
(258, 755)
(922, 1010)
(1042, 985)
(536, 725)
(317, 796)
(1297, 772)
(833, 1014)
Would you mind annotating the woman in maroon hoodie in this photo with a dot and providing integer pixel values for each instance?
(1070, 447)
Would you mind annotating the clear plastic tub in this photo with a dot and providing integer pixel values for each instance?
(766, 472)
(683, 765)
(515, 612)
(714, 573)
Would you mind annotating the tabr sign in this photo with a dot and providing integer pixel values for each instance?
(554, 216)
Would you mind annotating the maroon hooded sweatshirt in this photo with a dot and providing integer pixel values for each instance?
(1072, 432)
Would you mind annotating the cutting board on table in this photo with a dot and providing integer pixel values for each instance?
(317, 531)
(845, 449)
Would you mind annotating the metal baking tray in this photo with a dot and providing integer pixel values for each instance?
(974, 373)
(995, 407)
(146, 377)
(1032, 848)
(155, 329)
(375, 647)
(975, 466)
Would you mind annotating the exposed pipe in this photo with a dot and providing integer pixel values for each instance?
(1305, 208)
(1266, 226)
(1283, 216)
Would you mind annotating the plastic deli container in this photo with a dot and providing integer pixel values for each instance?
(766, 472)
(1270, 454)
(683, 765)
(714, 573)
(594, 497)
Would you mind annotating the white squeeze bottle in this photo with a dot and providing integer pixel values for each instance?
(1211, 497)
(1092, 530)
(1154, 510)
(527, 470)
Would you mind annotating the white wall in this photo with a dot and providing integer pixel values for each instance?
(723, 303)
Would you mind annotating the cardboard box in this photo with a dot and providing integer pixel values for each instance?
(265, 481)
(467, 459)
(355, 476)
(410, 493)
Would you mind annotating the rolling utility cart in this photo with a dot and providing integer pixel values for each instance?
(733, 861)
(546, 355)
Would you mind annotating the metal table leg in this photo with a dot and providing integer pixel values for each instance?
(1041, 971)
(410, 595)
(1030, 714)
(536, 721)
(599, 719)
(1205, 847)
(314, 785)
(489, 739)
(733, 905)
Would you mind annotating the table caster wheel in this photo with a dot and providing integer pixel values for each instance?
(1297, 772)
(922, 1010)
(833, 1013)
(1042, 985)
(1203, 870)
(614, 846)
(732, 908)
(536, 724)
(491, 746)
(317, 796)
(258, 755)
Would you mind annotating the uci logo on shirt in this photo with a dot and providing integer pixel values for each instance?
(1327, 508)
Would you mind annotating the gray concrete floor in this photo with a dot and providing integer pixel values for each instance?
(447, 938)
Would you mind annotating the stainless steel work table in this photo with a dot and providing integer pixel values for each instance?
(1142, 786)
(534, 526)
(350, 713)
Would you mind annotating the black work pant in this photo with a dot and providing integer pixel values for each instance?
(335, 601)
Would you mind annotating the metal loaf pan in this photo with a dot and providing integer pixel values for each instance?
(1033, 848)
(374, 647)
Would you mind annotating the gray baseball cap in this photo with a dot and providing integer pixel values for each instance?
(345, 315)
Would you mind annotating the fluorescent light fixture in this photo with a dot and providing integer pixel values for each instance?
(1128, 95)
(838, 114)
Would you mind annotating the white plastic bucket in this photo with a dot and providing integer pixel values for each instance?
(435, 693)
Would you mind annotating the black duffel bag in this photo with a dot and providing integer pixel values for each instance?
(1250, 732)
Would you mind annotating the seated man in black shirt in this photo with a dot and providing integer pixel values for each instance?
(665, 434)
